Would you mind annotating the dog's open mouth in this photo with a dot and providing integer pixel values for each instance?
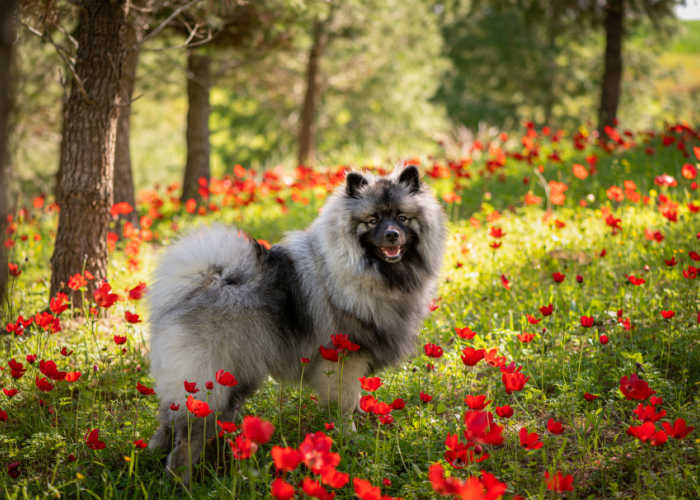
(390, 254)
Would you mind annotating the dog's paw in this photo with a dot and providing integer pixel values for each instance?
(160, 439)
(179, 463)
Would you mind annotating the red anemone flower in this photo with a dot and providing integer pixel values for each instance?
(398, 404)
(532, 320)
(328, 354)
(104, 297)
(286, 459)
(131, 317)
(316, 452)
(505, 282)
(477, 402)
(225, 378)
(342, 343)
(137, 292)
(634, 387)
(364, 490)
(587, 321)
(146, 391)
(9, 392)
(480, 427)
(530, 441)
(226, 427)
(513, 381)
(471, 356)
(281, 489)
(432, 350)
(465, 333)
(370, 384)
(559, 483)
(92, 440)
(49, 369)
(554, 427)
(198, 408)
(679, 429)
(546, 310)
(242, 448)
(257, 429)
(504, 411)
(191, 387)
(648, 413)
(43, 384)
(525, 337)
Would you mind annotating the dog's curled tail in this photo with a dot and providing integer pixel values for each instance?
(196, 260)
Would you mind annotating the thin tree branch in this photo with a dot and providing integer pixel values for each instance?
(167, 21)
(62, 54)
(185, 45)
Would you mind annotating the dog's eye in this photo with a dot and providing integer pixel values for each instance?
(402, 218)
(372, 221)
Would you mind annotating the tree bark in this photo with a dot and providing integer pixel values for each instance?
(87, 146)
(612, 74)
(6, 48)
(552, 33)
(123, 178)
(198, 85)
(307, 127)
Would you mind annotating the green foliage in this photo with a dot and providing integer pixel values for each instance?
(563, 360)
(542, 61)
(381, 67)
(688, 41)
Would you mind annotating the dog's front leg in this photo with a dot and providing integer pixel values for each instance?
(339, 381)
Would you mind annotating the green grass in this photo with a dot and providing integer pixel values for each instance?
(688, 41)
(564, 360)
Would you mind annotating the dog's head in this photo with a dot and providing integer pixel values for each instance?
(396, 224)
(385, 215)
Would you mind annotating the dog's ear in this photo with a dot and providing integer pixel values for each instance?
(410, 177)
(353, 183)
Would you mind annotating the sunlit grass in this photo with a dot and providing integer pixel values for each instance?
(45, 431)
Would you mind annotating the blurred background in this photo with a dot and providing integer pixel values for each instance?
(287, 82)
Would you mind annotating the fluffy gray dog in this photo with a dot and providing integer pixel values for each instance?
(366, 267)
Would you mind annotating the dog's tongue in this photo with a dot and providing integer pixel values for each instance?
(391, 251)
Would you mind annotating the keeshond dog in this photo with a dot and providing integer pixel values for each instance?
(366, 267)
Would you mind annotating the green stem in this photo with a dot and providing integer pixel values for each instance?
(376, 452)
(301, 383)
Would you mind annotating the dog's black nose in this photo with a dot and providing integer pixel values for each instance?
(391, 234)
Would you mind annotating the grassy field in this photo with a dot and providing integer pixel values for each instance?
(569, 263)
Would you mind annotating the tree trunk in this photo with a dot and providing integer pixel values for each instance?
(307, 128)
(87, 146)
(123, 179)
(198, 85)
(6, 39)
(612, 74)
(552, 32)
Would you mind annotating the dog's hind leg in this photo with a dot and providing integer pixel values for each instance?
(189, 444)
(184, 457)
(161, 439)
(237, 397)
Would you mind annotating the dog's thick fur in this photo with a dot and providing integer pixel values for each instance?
(221, 301)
